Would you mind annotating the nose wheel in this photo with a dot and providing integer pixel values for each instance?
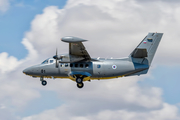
(43, 82)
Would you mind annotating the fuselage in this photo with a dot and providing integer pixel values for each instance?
(98, 69)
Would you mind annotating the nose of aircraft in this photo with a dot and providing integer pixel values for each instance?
(33, 70)
(26, 71)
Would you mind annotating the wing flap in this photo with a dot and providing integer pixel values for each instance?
(76, 47)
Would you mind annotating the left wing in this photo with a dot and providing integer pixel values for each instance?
(76, 48)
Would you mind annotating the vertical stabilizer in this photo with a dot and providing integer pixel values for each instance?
(145, 51)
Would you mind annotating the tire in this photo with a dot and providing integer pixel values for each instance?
(80, 85)
(44, 83)
(79, 80)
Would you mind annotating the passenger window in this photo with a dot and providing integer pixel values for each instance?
(71, 65)
(86, 66)
(81, 66)
(98, 66)
(62, 64)
(66, 65)
(76, 65)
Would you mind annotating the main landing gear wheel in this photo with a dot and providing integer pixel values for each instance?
(43, 82)
(79, 80)
(80, 85)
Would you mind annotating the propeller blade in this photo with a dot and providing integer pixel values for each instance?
(56, 64)
(56, 59)
(56, 51)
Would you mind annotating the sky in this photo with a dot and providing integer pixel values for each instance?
(30, 32)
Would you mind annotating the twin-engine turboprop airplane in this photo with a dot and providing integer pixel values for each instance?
(80, 67)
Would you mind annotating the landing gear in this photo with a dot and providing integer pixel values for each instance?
(80, 85)
(79, 81)
(43, 82)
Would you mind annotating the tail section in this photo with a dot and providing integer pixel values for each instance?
(145, 51)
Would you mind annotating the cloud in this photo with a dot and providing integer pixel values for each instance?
(168, 112)
(170, 1)
(32, 53)
(4, 5)
(146, 17)
(113, 23)
(7, 115)
(113, 29)
(8, 63)
(135, 97)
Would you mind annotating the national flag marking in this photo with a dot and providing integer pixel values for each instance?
(114, 67)
(144, 42)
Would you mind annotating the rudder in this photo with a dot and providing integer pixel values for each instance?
(145, 51)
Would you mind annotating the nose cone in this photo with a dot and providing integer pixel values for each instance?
(32, 71)
(27, 71)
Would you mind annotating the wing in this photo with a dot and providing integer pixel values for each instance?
(76, 47)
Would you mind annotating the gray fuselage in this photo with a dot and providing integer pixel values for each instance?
(97, 69)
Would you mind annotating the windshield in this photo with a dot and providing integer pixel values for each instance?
(45, 62)
(51, 61)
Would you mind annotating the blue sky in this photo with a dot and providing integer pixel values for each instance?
(30, 31)
(168, 80)
(16, 21)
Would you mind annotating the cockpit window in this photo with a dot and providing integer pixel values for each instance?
(45, 62)
(51, 61)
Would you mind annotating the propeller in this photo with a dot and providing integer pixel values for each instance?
(56, 57)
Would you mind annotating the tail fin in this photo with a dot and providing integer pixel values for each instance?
(144, 52)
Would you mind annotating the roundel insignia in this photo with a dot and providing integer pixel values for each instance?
(114, 66)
